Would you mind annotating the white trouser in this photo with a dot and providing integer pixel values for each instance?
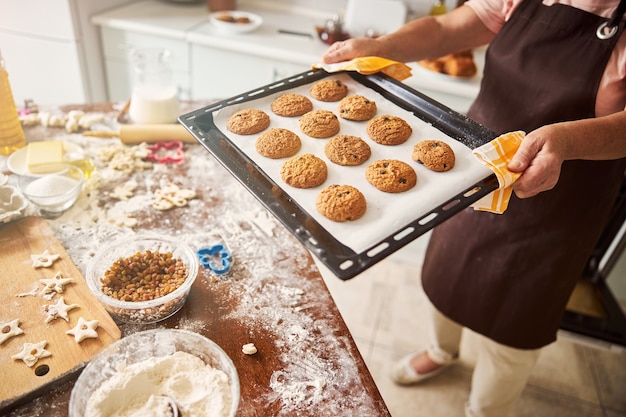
(501, 372)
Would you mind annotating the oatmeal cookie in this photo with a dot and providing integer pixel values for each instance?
(248, 122)
(341, 203)
(291, 105)
(278, 143)
(357, 108)
(391, 175)
(304, 171)
(389, 130)
(347, 150)
(328, 90)
(319, 124)
(436, 155)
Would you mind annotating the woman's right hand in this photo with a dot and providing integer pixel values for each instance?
(351, 48)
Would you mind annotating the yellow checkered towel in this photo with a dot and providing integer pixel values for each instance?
(370, 65)
(496, 155)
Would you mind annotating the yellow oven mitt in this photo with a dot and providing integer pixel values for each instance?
(496, 155)
(370, 65)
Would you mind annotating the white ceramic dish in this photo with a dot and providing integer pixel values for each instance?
(17, 161)
(234, 24)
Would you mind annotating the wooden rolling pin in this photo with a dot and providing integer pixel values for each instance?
(133, 134)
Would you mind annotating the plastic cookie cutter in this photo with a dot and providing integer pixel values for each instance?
(166, 152)
(219, 252)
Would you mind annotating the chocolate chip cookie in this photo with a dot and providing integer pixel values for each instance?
(347, 150)
(389, 130)
(319, 124)
(436, 155)
(248, 122)
(391, 175)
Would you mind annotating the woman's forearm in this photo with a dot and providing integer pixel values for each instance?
(427, 37)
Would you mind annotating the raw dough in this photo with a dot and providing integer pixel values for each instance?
(44, 260)
(54, 285)
(32, 352)
(10, 329)
(59, 310)
(84, 330)
(249, 349)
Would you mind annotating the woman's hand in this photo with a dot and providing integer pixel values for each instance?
(539, 159)
(350, 49)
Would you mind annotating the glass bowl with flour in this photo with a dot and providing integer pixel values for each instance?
(145, 373)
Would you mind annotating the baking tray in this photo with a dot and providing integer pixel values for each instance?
(302, 220)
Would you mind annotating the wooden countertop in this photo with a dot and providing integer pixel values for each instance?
(274, 296)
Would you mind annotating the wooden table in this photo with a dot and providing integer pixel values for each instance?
(274, 296)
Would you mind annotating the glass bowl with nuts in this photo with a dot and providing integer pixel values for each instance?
(142, 279)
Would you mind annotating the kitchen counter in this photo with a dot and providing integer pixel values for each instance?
(222, 64)
(274, 296)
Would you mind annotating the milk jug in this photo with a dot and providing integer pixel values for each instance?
(154, 97)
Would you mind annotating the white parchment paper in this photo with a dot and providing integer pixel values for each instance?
(386, 213)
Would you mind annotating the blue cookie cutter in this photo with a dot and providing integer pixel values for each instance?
(219, 251)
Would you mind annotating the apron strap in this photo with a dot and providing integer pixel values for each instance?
(608, 29)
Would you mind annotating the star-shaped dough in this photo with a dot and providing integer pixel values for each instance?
(44, 260)
(54, 285)
(84, 330)
(10, 329)
(59, 310)
(32, 352)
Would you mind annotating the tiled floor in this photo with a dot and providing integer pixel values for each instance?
(384, 309)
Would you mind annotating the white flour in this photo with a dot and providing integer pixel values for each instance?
(139, 390)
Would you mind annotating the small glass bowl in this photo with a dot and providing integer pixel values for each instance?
(55, 192)
(143, 346)
(141, 312)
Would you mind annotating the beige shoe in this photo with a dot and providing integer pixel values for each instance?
(403, 373)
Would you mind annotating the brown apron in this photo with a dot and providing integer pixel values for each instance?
(509, 276)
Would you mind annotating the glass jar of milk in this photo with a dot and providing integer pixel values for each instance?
(154, 97)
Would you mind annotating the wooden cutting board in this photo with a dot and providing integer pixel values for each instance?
(18, 241)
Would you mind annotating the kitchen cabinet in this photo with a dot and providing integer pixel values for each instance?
(219, 73)
(52, 51)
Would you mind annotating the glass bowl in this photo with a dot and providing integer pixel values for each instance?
(55, 192)
(141, 312)
(146, 347)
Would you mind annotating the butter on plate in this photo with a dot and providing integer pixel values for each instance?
(44, 157)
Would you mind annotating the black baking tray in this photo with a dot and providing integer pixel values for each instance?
(344, 262)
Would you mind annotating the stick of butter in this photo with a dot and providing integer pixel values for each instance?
(46, 156)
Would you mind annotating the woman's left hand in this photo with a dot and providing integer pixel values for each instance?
(539, 159)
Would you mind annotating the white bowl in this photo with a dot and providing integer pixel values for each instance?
(145, 347)
(142, 312)
(230, 21)
(55, 192)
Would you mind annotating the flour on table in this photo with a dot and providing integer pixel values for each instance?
(32, 352)
(44, 260)
(10, 329)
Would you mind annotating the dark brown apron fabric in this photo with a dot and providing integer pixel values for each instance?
(509, 276)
